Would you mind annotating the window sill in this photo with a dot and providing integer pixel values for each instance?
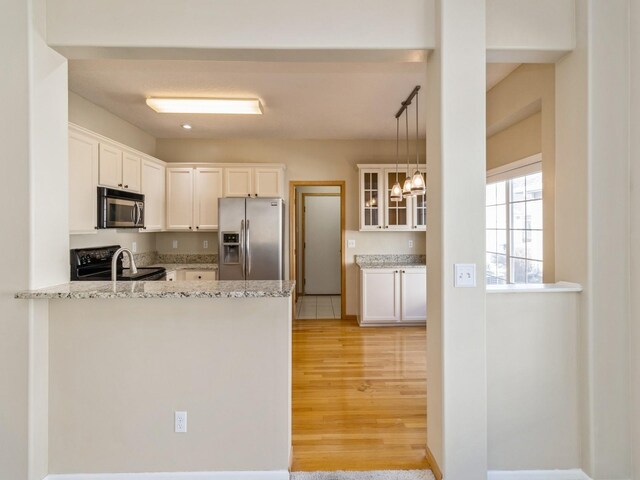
(560, 287)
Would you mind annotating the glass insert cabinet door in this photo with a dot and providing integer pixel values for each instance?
(419, 209)
(371, 199)
(397, 214)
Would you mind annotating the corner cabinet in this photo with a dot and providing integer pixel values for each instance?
(393, 296)
(378, 212)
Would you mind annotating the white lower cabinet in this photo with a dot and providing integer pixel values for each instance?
(196, 275)
(393, 296)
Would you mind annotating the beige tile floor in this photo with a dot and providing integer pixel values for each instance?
(312, 307)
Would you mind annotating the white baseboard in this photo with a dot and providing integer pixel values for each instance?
(255, 475)
(574, 474)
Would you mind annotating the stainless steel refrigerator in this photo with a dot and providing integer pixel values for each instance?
(251, 239)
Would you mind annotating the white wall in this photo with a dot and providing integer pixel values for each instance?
(95, 118)
(310, 160)
(456, 172)
(592, 236)
(532, 381)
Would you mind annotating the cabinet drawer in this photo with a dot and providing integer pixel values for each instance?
(200, 275)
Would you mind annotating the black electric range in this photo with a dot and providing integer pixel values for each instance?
(94, 264)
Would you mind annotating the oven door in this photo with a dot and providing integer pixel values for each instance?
(118, 211)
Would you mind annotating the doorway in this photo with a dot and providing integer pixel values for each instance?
(316, 256)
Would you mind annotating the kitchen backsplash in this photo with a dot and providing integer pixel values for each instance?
(187, 258)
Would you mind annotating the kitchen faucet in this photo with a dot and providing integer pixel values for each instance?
(114, 263)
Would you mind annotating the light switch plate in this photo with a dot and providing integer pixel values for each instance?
(134, 247)
(205, 244)
(464, 275)
(410, 243)
(351, 243)
(175, 244)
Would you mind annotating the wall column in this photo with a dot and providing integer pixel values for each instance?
(456, 326)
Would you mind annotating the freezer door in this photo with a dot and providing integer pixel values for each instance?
(231, 221)
(264, 239)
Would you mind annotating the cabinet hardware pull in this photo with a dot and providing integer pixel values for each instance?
(126, 186)
(119, 184)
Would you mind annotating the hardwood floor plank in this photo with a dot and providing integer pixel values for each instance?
(359, 396)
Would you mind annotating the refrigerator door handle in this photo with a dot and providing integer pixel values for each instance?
(248, 250)
(242, 248)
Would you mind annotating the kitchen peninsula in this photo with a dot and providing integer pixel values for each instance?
(124, 357)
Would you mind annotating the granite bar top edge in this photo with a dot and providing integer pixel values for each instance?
(153, 289)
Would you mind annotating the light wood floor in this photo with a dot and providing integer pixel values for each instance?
(359, 396)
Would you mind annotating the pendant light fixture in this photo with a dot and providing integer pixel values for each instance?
(406, 187)
(417, 181)
(396, 190)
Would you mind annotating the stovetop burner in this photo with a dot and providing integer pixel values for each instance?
(94, 264)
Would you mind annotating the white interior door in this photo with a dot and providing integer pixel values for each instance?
(322, 245)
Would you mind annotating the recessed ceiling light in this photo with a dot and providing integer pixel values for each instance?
(246, 106)
(186, 126)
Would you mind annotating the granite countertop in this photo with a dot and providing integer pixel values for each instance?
(390, 261)
(159, 289)
(172, 267)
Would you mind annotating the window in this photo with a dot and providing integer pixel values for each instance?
(514, 226)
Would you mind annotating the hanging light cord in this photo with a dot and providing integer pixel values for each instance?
(397, 145)
(417, 139)
(406, 117)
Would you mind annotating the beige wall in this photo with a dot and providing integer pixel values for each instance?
(227, 362)
(95, 118)
(520, 140)
(635, 233)
(310, 160)
(530, 87)
(188, 242)
(532, 381)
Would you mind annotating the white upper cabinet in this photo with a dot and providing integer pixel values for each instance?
(208, 189)
(153, 187)
(378, 212)
(131, 170)
(83, 182)
(110, 166)
(253, 182)
(371, 199)
(268, 182)
(119, 168)
(238, 181)
(180, 199)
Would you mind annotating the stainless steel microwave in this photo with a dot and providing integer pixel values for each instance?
(118, 209)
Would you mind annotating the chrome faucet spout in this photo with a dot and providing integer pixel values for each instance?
(114, 263)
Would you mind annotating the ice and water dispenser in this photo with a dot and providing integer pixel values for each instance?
(231, 248)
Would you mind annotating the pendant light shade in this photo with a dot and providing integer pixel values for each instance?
(417, 181)
(396, 189)
(406, 188)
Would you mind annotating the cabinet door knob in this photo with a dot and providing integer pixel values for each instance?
(198, 227)
(126, 186)
(119, 184)
(190, 228)
(200, 277)
(248, 194)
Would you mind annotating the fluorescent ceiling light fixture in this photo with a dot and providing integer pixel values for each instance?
(241, 106)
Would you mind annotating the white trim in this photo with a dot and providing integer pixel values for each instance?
(518, 168)
(573, 474)
(234, 475)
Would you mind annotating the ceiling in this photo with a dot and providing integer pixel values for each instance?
(300, 100)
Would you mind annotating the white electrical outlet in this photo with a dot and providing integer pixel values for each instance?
(410, 243)
(134, 247)
(175, 244)
(464, 275)
(181, 422)
(351, 243)
(205, 244)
